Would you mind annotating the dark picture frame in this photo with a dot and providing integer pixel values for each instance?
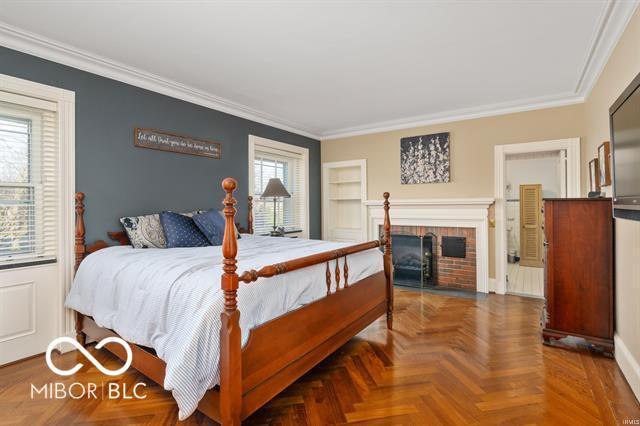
(604, 163)
(594, 175)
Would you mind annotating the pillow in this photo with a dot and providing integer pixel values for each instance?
(146, 231)
(211, 224)
(181, 231)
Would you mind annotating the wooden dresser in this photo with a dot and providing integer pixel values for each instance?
(579, 270)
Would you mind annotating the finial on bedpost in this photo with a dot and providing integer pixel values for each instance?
(388, 264)
(80, 229)
(230, 346)
(250, 215)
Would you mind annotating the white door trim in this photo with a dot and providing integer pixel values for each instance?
(572, 147)
(65, 102)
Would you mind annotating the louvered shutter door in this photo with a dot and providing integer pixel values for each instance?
(530, 226)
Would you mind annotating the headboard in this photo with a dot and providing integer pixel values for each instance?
(82, 249)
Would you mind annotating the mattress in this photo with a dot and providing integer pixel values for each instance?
(170, 299)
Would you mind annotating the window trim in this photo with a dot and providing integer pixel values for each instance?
(271, 145)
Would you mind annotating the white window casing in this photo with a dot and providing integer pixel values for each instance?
(290, 163)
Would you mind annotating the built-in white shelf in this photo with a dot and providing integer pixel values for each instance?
(344, 188)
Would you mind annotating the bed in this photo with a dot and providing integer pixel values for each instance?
(304, 297)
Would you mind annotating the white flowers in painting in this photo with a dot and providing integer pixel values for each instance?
(424, 159)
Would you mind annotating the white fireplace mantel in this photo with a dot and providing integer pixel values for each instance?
(446, 202)
(443, 212)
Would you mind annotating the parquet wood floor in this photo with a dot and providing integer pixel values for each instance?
(449, 361)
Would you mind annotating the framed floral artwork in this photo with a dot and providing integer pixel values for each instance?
(425, 159)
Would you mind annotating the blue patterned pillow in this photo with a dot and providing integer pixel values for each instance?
(211, 224)
(181, 231)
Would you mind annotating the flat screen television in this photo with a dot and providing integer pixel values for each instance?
(624, 121)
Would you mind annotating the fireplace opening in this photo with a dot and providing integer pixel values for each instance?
(414, 260)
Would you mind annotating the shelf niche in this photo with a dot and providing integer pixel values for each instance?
(343, 192)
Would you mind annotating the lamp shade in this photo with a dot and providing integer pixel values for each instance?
(275, 188)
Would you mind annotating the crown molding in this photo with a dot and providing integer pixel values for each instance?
(36, 45)
(615, 16)
(613, 20)
(456, 115)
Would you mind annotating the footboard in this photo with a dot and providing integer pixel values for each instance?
(281, 350)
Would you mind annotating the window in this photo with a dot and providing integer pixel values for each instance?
(289, 163)
(28, 179)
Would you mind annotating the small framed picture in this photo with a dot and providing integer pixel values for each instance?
(604, 164)
(594, 176)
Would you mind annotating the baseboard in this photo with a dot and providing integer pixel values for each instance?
(497, 287)
(67, 347)
(628, 364)
(493, 283)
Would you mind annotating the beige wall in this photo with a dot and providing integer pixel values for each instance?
(472, 143)
(472, 171)
(621, 68)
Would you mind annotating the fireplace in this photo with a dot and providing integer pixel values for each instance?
(435, 257)
(414, 260)
(451, 217)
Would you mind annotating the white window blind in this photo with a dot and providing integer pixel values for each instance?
(28, 179)
(289, 167)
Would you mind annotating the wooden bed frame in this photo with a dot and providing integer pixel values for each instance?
(251, 376)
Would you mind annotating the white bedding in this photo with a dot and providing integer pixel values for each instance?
(170, 299)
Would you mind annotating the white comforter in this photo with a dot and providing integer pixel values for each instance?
(170, 299)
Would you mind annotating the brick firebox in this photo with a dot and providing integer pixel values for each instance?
(451, 272)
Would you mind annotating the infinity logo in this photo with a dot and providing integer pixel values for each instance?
(87, 355)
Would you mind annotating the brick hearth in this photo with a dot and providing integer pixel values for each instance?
(451, 272)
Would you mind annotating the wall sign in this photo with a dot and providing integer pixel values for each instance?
(154, 139)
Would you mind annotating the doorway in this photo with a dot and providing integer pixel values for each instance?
(530, 177)
(562, 159)
(36, 216)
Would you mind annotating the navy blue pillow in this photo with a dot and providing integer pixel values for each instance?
(211, 224)
(181, 231)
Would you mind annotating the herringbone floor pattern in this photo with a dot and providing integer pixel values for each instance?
(449, 360)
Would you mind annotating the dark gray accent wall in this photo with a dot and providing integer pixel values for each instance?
(120, 179)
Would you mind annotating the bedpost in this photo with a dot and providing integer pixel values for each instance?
(80, 229)
(388, 264)
(230, 345)
(250, 215)
(80, 251)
